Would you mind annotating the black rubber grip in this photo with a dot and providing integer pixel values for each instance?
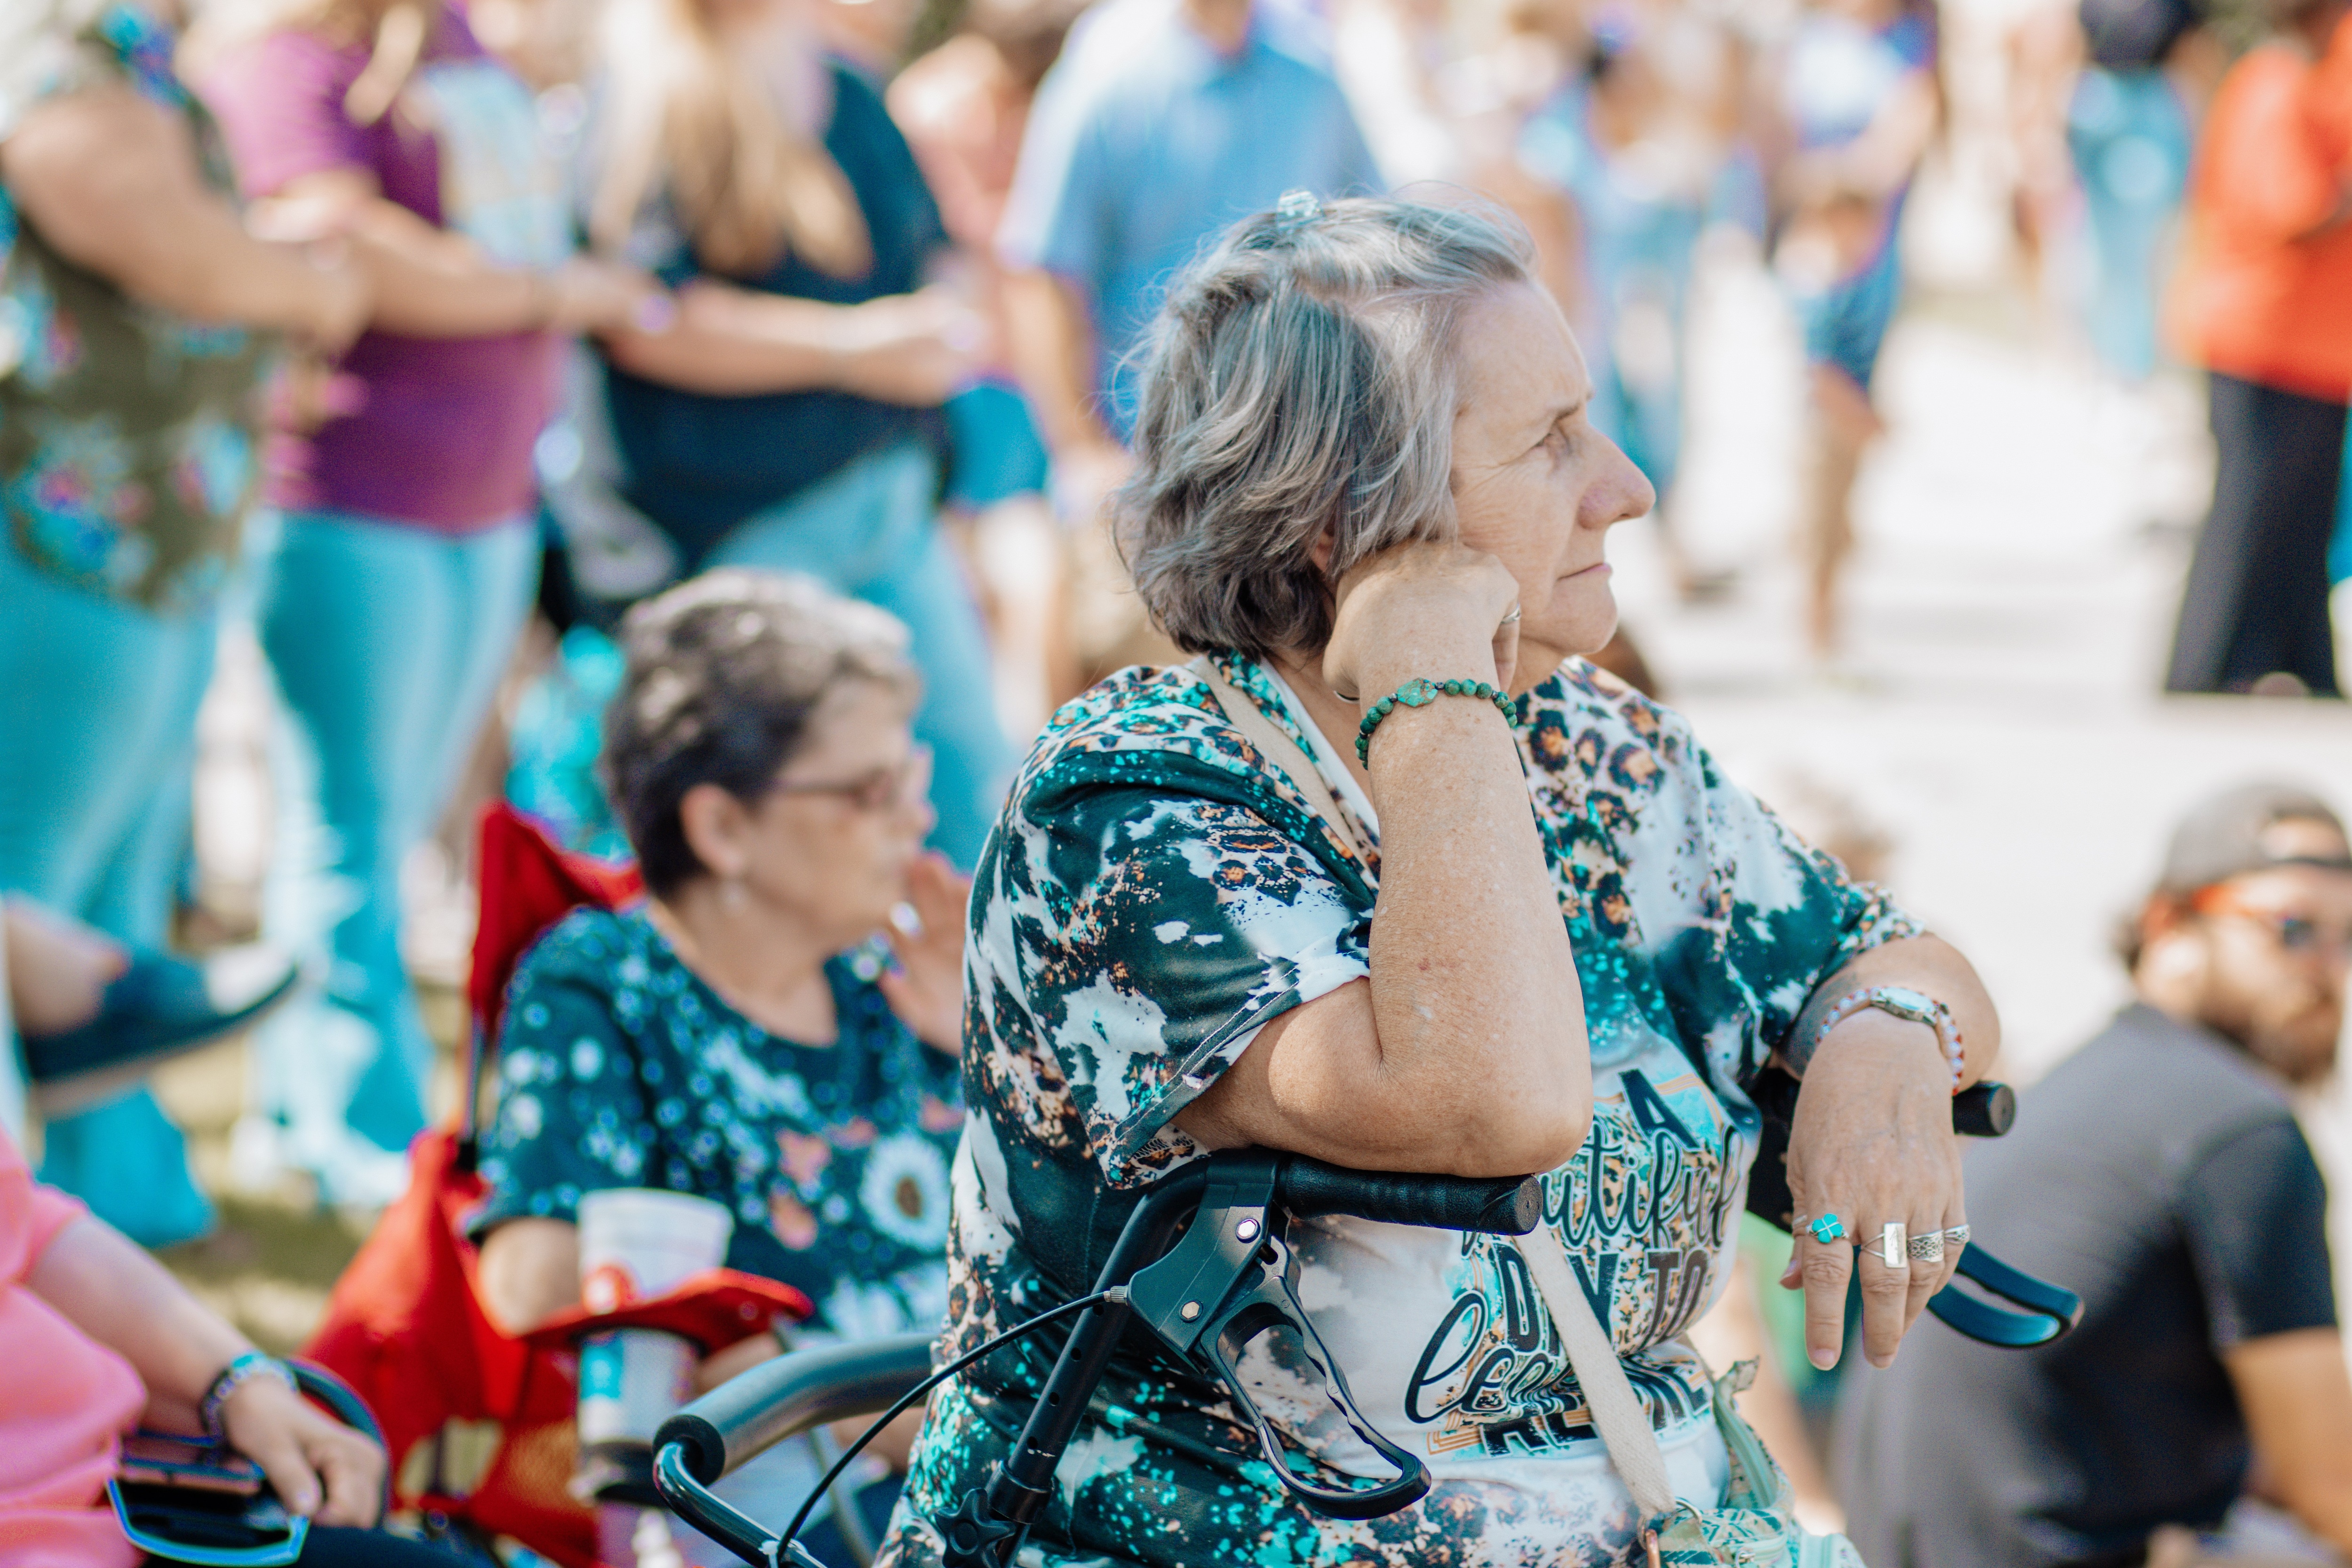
(1984, 1111)
(1503, 1205)
(791, 1393)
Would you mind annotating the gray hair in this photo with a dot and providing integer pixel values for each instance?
(725, 672)
(1299, 378)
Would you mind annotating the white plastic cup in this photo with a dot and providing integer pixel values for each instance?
(636, 1243)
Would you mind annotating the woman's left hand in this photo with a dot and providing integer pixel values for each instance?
(926, 987)
(319, 1466)
(1872, 1142)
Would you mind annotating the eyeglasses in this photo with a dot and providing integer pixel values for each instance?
(902, 783)
(2296, 933)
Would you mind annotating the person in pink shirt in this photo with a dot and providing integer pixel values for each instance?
(99, 1340)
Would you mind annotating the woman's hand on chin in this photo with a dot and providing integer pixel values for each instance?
(1873, 1143)
(925, 987)
(1423, 609)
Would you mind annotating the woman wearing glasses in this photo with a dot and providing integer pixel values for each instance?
(743, 1034)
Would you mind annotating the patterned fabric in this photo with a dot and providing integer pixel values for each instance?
(129, 439)
(620, 1067)
(1153, 895)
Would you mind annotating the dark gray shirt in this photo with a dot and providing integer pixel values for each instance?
(2159, 1172)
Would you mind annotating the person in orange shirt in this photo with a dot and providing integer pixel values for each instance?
(2264, 302)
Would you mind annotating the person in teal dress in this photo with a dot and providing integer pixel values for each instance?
(774, 1027)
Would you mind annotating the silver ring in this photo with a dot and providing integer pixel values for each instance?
(1928, 1248)
(1506, 620)
(1957, 1236)
(1894, 1244)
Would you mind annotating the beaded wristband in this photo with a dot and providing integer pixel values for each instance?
(1903, 1003)
(233, 1376)
(1420, 693)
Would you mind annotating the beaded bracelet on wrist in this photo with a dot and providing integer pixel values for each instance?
(1420, 693)
(233, 1376)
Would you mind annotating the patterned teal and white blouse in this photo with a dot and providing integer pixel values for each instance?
(618, 1067)
(1154, 893)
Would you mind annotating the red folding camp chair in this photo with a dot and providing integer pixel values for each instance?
(478, 1424)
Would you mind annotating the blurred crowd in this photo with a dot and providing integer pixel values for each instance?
(438, 343)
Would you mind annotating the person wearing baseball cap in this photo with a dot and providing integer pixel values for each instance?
(2159, 1171)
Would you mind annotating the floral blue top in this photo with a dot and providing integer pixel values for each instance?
(130, 439)
(620, 1067)
(1153, 894)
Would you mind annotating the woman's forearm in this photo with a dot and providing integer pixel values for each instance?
(1474, 994)
(110, 181)
(106, 1286)
(730, 344)
(530, 1272)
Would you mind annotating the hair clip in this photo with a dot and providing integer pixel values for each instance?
(1296, 211)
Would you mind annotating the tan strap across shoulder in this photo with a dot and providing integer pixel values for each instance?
(1618, 1413)
(1275, 746)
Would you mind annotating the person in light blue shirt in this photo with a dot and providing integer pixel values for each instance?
(1164, 122)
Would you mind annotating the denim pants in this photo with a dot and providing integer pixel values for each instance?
(870, 530)
(97, 742)
(387, 640)
(2131, 137)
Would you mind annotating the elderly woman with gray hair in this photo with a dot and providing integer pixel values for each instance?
(1542, 934)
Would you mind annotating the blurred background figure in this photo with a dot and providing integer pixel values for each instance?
(2264, 304)
(2146, 70)
(1857, 101)
(2159, 1171)
(1164, 122)
(102, 1341)
(137, 321)
(964, 108)
(1638, 157)
(789, 419)
(806, 1073)
(2108, 95)
(402, 557)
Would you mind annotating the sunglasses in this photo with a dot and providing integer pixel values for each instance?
(2294, 933)
(901, 782)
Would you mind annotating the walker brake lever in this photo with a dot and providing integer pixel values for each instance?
(1227, 1282)
(2051, 1310)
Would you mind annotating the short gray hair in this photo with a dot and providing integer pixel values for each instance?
(725, 673)
(1301, 377)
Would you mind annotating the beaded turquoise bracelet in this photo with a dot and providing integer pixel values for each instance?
(1419, 693)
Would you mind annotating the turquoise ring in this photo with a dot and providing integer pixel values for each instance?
(1827, 1228)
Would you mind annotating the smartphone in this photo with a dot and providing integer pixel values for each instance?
(161, 1459)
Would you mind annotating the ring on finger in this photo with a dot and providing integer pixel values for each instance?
(1894, 1244)
(1928, 1248)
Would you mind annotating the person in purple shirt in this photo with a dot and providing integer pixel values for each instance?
(407, 550)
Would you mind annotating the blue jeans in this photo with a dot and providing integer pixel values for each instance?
(2131, 138)
(870, 530)
(97, 742)
(388, 640)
